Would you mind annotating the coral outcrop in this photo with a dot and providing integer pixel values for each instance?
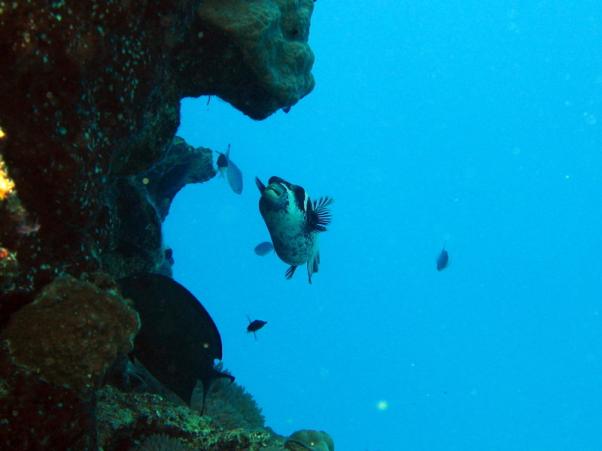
(126, 420)
(72, 333)
(53, 354)
(229, 405)
(35, 414)
(259, 46)
(89, 97)
(182, 164)
(89, 164)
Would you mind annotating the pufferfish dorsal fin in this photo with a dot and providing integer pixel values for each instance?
(318, 214)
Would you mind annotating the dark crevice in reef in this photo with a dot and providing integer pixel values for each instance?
(89, 165)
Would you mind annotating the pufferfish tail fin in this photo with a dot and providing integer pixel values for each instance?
(319, 215)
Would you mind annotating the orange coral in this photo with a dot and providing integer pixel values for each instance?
(6, 184)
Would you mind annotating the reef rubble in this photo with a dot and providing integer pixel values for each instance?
(89, 165)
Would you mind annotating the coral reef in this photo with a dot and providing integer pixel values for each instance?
(35, 414)
(126, 420)
(93, 97)
(89, 164)
(182, 164)
(162, 442)
(53, 353)
(72, 333)
(260, 46)
(229, 405)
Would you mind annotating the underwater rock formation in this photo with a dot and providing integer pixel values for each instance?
(54, 352)
(126, 420)
(92, 95)
(229, 405)
(89, 107)
(163, 442)
(182, 164)
(72, 333)
(36, 414)
(259, 46)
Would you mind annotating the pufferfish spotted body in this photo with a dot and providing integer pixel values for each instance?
(294, 222)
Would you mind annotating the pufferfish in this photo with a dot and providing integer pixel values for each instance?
(294, 222)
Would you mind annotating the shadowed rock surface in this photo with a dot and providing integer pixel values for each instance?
(90, 94)
(89, 164)
(54, 353)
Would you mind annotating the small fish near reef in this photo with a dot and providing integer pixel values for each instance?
(294, 222)
(442, 260)
(227, 168)
(255, 325)
(264, 248)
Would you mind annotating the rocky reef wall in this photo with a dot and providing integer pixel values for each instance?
(89, 164)
(89, 99)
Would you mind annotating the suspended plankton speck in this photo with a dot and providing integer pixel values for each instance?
(590, 118)
(382, 405)
(145, 181)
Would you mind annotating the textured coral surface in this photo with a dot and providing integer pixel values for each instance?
(35, 414)
(125, 420)
(92, 98)
(89, 164)
(72, 333)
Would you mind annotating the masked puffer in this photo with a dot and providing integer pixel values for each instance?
(294, 222)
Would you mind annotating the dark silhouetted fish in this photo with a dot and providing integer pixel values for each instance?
(294, 222)
(168, 253)
(264, 248)
(226, 167)
(255, 325)
(178, 341)
(442, 260)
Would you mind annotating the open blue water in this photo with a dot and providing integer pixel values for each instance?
(473, 123)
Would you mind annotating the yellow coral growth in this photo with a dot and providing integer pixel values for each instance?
(2, 134)
(6, 184)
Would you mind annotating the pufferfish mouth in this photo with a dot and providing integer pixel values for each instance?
(275, 190)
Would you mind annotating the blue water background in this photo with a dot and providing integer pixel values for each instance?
(471, 123)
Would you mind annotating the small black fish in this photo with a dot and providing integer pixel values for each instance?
(255, 325)
(233, 174)
(442, 260)
(264, 248)
(169, 256)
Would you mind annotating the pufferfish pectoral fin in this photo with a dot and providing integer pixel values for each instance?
(318, 214)
(290, 271)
